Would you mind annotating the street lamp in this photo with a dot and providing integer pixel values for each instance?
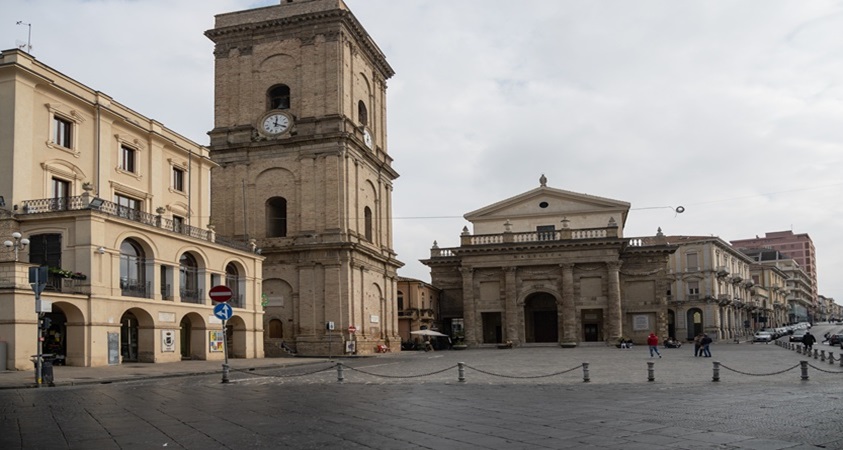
(19, 244)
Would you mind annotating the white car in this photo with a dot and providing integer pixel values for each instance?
(762, 336)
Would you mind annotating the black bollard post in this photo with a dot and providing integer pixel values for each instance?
(340, 374)
(585, 376)
(650, 375)
(461, 372)
(716, 371)
(225, 373)
(822, 355)
(804, 365)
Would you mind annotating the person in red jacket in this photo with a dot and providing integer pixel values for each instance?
(653, 342)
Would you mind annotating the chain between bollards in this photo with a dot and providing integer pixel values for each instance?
(716, 371)
(650, 375)
(340, 375)
(585, 376)
(461, 372)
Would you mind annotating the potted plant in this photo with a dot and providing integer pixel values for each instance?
(459, 343)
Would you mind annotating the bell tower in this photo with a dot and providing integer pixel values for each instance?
(304, 174)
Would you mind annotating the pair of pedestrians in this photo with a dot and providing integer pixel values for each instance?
(701, 345)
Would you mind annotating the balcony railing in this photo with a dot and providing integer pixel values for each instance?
(166, 292)
(191, 295)
(83, 202)
(136, 288)
(537, 236)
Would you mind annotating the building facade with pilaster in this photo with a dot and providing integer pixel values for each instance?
(551, 266)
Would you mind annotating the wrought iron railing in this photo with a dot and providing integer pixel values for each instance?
(187, 295)
(166, 292)
(83, 202)
(135, 288)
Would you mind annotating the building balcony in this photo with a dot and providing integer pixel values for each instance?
(191, 295)
(135, 288)
(88, 203)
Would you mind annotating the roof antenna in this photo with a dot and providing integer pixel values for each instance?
(28, 45)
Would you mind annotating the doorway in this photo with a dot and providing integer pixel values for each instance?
(592, 325)
(541, 318)
(184, 335)
(129, 337)
(492, 328)
(695, 323)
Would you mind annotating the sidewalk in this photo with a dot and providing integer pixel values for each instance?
(71, 376)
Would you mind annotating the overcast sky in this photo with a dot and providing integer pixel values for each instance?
(731, 109)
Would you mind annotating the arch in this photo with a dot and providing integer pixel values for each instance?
(278, 97)
(237, 283)
(277, 291)
(137, 336)
(66, 334)
(276, 217)
(192, 336)
(671, 323)
(235, 329)
(190, 281)
(541, 322)
(694, 322)
(133, 270)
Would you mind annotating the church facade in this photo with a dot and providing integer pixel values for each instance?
(304, 173)
(551, 266)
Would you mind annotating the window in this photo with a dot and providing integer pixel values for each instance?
(189, 279)
(128, 157)
(546, 232)
(178, 224)
(691, 260)
(367, 217)
(45, 250)
(132, 270)
(362, 113)
(276, 217)
(400, 301)
(127, 207)
(61, 194)
(178, 179)
(232, 280)
(62, 132)
(693, 290)
(278, 97)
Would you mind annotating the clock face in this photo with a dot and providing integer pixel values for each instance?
(367, 138)
(276, 124)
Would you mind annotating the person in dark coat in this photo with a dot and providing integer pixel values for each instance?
(808, 341)
(705, 342)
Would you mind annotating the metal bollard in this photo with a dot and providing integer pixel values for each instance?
(799, 349)
(830, 357)
(822, 355)
(340, 374)
(225, 373)
(585, 377)
(461, 372)
(650, 375)
(841, 360)
(804, 365)
(715, 376)
(816, 353)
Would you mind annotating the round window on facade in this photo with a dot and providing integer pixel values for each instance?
(543, 205)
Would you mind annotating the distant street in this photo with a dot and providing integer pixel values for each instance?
(413, 400)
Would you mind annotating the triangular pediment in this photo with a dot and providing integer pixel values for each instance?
(545, 206)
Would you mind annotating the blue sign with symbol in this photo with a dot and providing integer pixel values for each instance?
(223, 311)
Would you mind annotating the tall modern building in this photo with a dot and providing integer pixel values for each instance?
(303, 170)
(798, 247)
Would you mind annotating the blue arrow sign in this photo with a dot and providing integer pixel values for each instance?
(223, 311)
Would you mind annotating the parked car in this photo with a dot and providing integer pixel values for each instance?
(797, 335)
(771, 331)
(835, 339)
(762, 336)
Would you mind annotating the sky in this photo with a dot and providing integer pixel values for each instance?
(731, 109)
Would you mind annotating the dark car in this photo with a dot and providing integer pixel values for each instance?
(835, 339)
(797, 335)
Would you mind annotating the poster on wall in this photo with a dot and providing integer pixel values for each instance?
(168, 340)
(641, 322)
(350, 347)
(215, 341)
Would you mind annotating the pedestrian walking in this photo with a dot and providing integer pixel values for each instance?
(808, 341)
(697, 344)
(653, 342)
(705, 342)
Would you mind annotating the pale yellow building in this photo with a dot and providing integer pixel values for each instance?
(117, 206)
(418, 308)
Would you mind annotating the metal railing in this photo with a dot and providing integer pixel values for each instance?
(136, 288)
(82, 202)
(191, 295)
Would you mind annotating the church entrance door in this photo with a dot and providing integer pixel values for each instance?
(541, 318)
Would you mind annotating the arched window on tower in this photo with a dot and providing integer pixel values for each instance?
(367, 217)
(362, 113)
(278, 97)
(276, 217)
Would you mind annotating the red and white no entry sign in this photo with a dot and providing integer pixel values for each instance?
(220, 293)
(352, 328)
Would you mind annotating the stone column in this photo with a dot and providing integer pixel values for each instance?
(614, 319)
(468, 305)
(511, 304)
(568, 309)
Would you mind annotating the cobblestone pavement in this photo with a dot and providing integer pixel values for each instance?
(415, 401)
